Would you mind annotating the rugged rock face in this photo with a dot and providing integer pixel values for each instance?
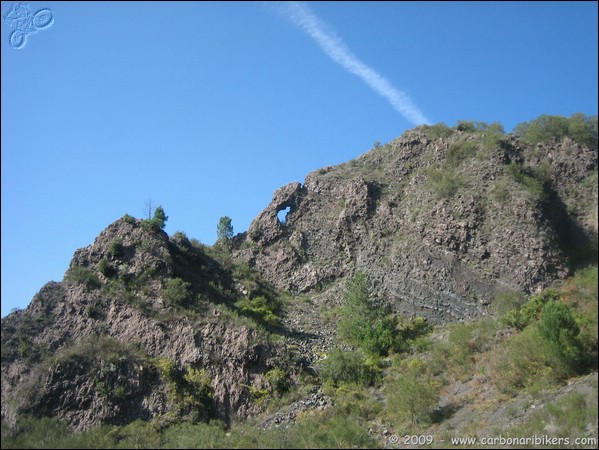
(440, 225)
(152, 327)
(90, 349)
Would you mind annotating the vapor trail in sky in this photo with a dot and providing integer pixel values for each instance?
(302, 16)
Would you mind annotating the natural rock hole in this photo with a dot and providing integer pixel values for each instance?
(282, 214)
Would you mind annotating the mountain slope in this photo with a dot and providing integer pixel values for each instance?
(147, 326)
(440, 224)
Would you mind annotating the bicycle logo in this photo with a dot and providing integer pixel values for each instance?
(25, 23)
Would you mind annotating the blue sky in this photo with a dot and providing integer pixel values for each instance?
(208, 108)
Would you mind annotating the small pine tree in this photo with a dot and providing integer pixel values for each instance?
(224, 229)
(160, 218)
(363, 324)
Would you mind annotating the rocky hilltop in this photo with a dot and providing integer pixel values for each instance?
(123, 336)
(147, 326)
(441, 224)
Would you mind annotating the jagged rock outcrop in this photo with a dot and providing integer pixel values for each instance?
(89, 349)
(440, 225)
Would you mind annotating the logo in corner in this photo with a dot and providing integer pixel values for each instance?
(24, 22)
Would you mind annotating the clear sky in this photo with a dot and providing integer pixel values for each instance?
(208, 108)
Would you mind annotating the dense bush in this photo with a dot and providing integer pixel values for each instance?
(561, 332)
(460, 151)
(348, 367)
(177, 292)
(189, 391)
(568, 416)
(129, 219)
(555, 342)
(262, 308)
(580, 293)
(523, 361)
(474, 127)
(106, 269)
(534, 185)
(438, 130)
(412, 395)
(116, 249)
(580, 128)
(455, 357)
(84, 275)
(278, 380)
(530, 311)
(445, 182)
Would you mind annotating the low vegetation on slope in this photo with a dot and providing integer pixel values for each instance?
(519, 373)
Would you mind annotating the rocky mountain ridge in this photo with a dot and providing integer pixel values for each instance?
(439, 234)
(163, 328)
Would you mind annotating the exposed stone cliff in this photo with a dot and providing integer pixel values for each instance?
(440, 225)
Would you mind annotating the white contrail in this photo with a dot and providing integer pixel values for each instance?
(301, 14)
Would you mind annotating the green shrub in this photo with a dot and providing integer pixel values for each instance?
(106, 268)
(195, 435)
(94, 348)
(523, 361)
(137, 434)
(531, 310)
(438, 130)
(532, 184)
(465, 125)
(189, 391)
(559, 329)
(581, 128)
(409, 331)
(354, 400)
(460, 151)
(445, 182)
(501, 191)
(506, 302)
(569, 416)
(412, 395)
(348, 367)
(322, 431)
(129, 219)
(33, 432)
(542, 173)
(580, 293)
(116, 249)
(474, 127)
(84, 275)
(278, 380)
(177, 292)
(455, 357)
(255, 233)
(196, 393)
(491, 141)
(95, 311)
(261, 308)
